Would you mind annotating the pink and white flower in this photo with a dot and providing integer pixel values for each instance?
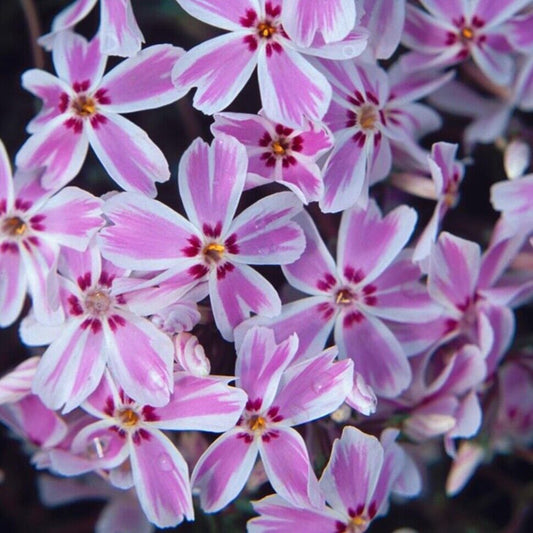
(454, 31)
(34, 224)
(128, 430)
(356, 483)
(370, 112)
(82, 107)
(104, 328)
(213, 246)
(279, 153)
(371, 283)
(220, 67)
(119, 33)
(280, 395)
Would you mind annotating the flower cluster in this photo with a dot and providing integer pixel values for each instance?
(159, 319)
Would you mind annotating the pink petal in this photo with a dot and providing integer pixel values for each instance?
(219, 68)
(127, 153)
(123, 513)
(56, 147)
(227, 16)
(72, 217)
(222, 471)
(161, 480)
(497, 66)
(40, 262)
(145, 235)
(314, 388)
(351, 475)
(140, 359)
(454, 270)
(302, 19)
(6, 179)
(72, 14)
(387, 235)
(425, 33)
(142, 82)
(311, 318)
(379, 358)
(77, 60)
(17, 383)
(49, 89)
(240, 291)
(282, 71)
(286, 462)
(468, 458)
(385, 22)
(101, 445)
(71, 367)
(200, 403)
(278, 515)
(13, 285)
(304, 178)
(264, 233)
(119, 31)
(345, 174)
(261, 363)
(211, 180)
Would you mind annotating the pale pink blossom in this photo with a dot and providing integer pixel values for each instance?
(119, 33)
(279, 153)
(213, 246)
(83, 106)
(280, 395)
(34, 224)
(220, 67)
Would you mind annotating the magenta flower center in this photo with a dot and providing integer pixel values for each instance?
(128, 417)
(344, 296)
(266, 29)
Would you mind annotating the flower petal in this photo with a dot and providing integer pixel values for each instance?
(219, 68)
(236, 293)
(264, 234)
(13, 285)
(142, 82)
(288, 467)
(223, 469)
(161, 480)
(200, 403)
(127, 153)
(261, 363)
(214, 13)
(279, 73)
(211, 180)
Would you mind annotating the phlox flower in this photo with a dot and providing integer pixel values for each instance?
(356, 483)
(24, 413)
(104, 328)
(373, 281)
(119, 33)
(82, 106)
(34, 224)
(214, 246)
(453, 31)
(128, 430)
(220, 67)
(491, 117)
(280, 395)
(279, 153)
(371, 111)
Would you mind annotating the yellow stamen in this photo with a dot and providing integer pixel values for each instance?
(128, 417)
(467, 33)
(278, 148)
(214, 247)
(14, 226)
(265, 30)
(367, 117)
(84, 106)
(343, 297)
(257, 423)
